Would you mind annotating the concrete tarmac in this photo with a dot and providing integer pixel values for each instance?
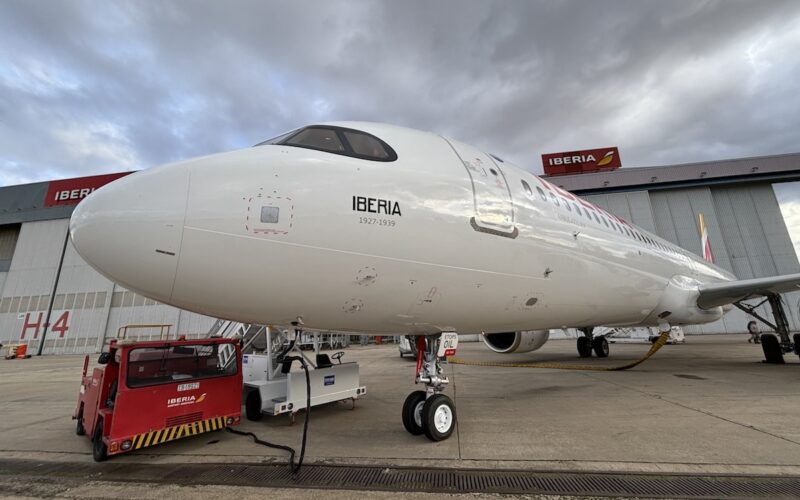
(708, 407)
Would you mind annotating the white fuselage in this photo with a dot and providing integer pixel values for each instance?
(443, 238)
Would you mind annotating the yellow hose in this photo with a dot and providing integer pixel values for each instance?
(662, 339)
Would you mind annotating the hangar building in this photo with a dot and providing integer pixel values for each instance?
(44, 284)
(745, 225)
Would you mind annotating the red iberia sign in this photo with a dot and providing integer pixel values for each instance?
(72, 191)
(576, 162)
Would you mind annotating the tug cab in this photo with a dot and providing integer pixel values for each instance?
(148, 393)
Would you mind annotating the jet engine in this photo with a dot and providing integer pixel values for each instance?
(511, 342)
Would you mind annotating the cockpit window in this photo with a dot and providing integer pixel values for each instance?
(277, 140)
(324, 139)
(337, 140)
(366, 145)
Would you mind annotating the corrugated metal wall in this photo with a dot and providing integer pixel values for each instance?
(746, 229)
(88, 309)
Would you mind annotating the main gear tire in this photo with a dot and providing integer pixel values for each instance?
(773, 353)
(600, 346)
(585, 347)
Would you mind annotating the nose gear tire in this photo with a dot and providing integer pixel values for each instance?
(439, 417)
(413, 416)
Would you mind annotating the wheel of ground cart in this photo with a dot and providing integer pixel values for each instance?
(585, 347)
(252, 406)
(772, 349)
(600, 346)
(796, 338)
(439, 417)
(99, 449)
(79, 429)
(412, 412)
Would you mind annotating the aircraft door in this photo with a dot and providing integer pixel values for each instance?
(494, 212)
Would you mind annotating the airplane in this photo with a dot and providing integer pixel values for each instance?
(380, 229)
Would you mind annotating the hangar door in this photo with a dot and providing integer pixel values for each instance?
(493, 210)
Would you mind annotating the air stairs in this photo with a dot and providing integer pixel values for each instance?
(253, 338)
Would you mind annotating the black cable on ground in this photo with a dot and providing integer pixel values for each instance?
(295, 467)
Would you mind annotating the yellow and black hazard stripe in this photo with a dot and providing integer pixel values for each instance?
(179, 431)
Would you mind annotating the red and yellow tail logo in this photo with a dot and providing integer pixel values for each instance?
(708, 255)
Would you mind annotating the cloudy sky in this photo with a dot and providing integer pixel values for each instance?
(92, 87)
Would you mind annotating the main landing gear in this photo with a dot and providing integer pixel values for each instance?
(589, 343)
(429, 411)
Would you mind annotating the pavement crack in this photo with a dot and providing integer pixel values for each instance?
(455, 402)
(691, 408)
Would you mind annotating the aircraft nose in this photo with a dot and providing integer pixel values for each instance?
(130, 230)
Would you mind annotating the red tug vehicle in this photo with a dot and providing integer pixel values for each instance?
(148, 393)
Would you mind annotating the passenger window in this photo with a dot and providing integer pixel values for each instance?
(324, 139)
(555, 199)
(541, 193)
(366, 145)
(605, 221)
(577, 208)
(527, 188)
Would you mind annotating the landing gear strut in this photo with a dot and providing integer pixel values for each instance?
(429, 411)
(588, 343)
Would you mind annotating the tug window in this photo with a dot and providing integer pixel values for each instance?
(161, 365)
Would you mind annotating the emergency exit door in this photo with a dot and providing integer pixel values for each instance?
(494, 212)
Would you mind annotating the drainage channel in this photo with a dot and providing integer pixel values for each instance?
(413, 479)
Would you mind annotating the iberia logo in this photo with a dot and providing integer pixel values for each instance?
(185, 400)
(606, 159)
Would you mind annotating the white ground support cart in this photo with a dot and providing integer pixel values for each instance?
(271, 388)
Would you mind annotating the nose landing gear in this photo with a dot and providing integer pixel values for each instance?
(429, 411)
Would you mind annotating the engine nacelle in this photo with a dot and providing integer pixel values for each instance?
(510, 342)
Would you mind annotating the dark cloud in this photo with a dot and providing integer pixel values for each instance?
(89, 87)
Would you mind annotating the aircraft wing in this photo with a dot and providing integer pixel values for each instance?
(728, 292)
